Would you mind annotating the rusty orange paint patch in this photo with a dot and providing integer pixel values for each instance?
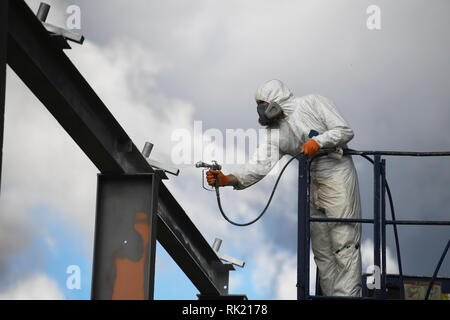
(130, 275)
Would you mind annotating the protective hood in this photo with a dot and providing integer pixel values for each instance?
(277, 91)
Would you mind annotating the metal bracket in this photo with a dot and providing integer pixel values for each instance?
(148, 147)
(234, 261)
(58, 34)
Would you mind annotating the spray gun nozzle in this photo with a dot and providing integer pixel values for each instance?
(213, 166)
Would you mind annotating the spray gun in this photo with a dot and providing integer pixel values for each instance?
(213, 166)
(216, 166)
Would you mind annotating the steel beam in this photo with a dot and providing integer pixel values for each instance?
(125, 237)
(302, 230)
(187, 247)
(377, 216)
(3, 50)
(383, 229)
(435, 273)
(57, 83)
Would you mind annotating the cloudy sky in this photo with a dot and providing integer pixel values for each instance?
(161, 65)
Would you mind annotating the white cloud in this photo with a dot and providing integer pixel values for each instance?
(36, 286)
(275, 270)
(42, 166)
(124, 78)
(16, 229)
(235, 282)
(58, 175)
(286, 279)
(367, 257)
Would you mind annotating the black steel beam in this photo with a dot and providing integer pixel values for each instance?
(57, 83)
(3, 50)
(418, 222)
(187, 247)
(303, 231)
(125, 237)
(398, 153)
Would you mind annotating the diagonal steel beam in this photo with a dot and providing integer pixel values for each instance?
(66, 94)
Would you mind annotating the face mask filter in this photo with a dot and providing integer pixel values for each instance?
(268, 115)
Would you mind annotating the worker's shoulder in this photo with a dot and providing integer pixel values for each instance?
(316, 100)
(310, 100)
(314, 96)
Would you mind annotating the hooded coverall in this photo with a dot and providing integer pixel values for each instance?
(334, 183)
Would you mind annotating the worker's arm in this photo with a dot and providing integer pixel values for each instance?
(266, 156)
(232, 180)
(261, 163)
(338, 131)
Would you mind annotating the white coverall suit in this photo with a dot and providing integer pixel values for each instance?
(334, 182)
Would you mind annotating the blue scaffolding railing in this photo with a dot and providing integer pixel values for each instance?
(379, 220)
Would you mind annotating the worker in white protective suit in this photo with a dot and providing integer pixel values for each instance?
(334, 182)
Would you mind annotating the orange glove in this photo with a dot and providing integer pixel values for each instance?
(310, 148)
(223, 179)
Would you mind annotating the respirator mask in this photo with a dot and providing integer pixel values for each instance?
(268, 115)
